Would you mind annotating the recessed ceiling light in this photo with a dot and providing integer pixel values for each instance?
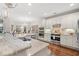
(72, 4)
(29, 12)
(29, 4)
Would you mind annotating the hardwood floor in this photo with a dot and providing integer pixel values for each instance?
(44, 52)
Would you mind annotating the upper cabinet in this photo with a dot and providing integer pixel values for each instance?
(1, 25)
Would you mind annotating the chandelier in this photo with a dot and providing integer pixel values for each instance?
(6, 9)
(11, 5)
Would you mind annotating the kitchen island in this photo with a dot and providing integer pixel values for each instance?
(10, 45)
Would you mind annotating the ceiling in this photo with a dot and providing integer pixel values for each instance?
(39, 10)
(42, 9)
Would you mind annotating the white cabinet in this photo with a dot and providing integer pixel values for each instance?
(47, 36)
(75, 42)
(69, 41)
(66, 40)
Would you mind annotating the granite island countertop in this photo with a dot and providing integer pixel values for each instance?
(10, 45)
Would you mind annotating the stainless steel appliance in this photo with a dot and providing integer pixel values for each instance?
(55, 37)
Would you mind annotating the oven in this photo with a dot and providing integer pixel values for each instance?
(55, 37)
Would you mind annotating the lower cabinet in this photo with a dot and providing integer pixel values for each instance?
(69, 41)
(62, 51)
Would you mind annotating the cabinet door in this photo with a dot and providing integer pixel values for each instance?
(63, 40)
(69, 41)
(47, 37)
(75, 42)
(66, 40)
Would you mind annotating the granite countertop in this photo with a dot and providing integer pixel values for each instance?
(10, 45)
(24, 35)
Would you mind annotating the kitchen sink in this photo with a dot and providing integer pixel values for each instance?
(25, 39)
